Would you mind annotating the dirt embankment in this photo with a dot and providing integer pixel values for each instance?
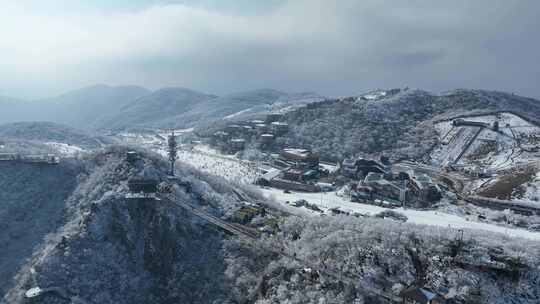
(510, 185)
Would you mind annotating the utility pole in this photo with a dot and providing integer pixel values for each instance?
(173, 151)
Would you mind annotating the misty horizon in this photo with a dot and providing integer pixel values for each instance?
(150, 91)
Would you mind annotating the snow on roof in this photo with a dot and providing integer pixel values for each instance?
(372, 176)
(331, 168)
(423, 178)
(420, 295)
(270, 175)
(295, 171)
(296, 151)
(33, 292)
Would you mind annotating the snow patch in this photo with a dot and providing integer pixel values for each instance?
(65, 149)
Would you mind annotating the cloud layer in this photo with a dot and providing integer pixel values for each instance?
(332, 47)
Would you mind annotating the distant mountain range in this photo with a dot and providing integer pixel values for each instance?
(80, 108)
(125, 107)
(41, 131)
(207, 109)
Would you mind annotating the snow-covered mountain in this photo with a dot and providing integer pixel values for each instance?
(32, 203)
(156, 109)
(126, 107)
(183, 108)
(70, 230)
(80, 108)
(45, 132)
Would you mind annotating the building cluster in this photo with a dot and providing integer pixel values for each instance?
(297, 170)
(375, 181)
(466, 123)
(264, 132)
(471, 170)
(358, 168)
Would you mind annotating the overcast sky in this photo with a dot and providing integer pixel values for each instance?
(330, 47)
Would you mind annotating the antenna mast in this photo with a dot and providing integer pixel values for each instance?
(173, 151)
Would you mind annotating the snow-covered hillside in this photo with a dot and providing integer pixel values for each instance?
(44, 132)
(104, 248)
(32, 202)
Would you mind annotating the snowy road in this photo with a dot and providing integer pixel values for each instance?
(331, 200)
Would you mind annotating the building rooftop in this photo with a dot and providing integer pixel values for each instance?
(270, 175)
(373, 177)
(349, 162)
(238, 140)
(423, 180)
(295, 171)
(302, 152)
(420, 295)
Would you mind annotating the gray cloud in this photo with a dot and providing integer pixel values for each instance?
(333, 47)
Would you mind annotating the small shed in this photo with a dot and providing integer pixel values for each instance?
(237, 144)
(272, 117)
(139, 185)
(131, 156)
(279, 128)
(267, 139)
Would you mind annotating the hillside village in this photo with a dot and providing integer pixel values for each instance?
(254, 152)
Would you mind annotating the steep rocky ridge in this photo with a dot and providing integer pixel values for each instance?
(116, 250)
(32, 201)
